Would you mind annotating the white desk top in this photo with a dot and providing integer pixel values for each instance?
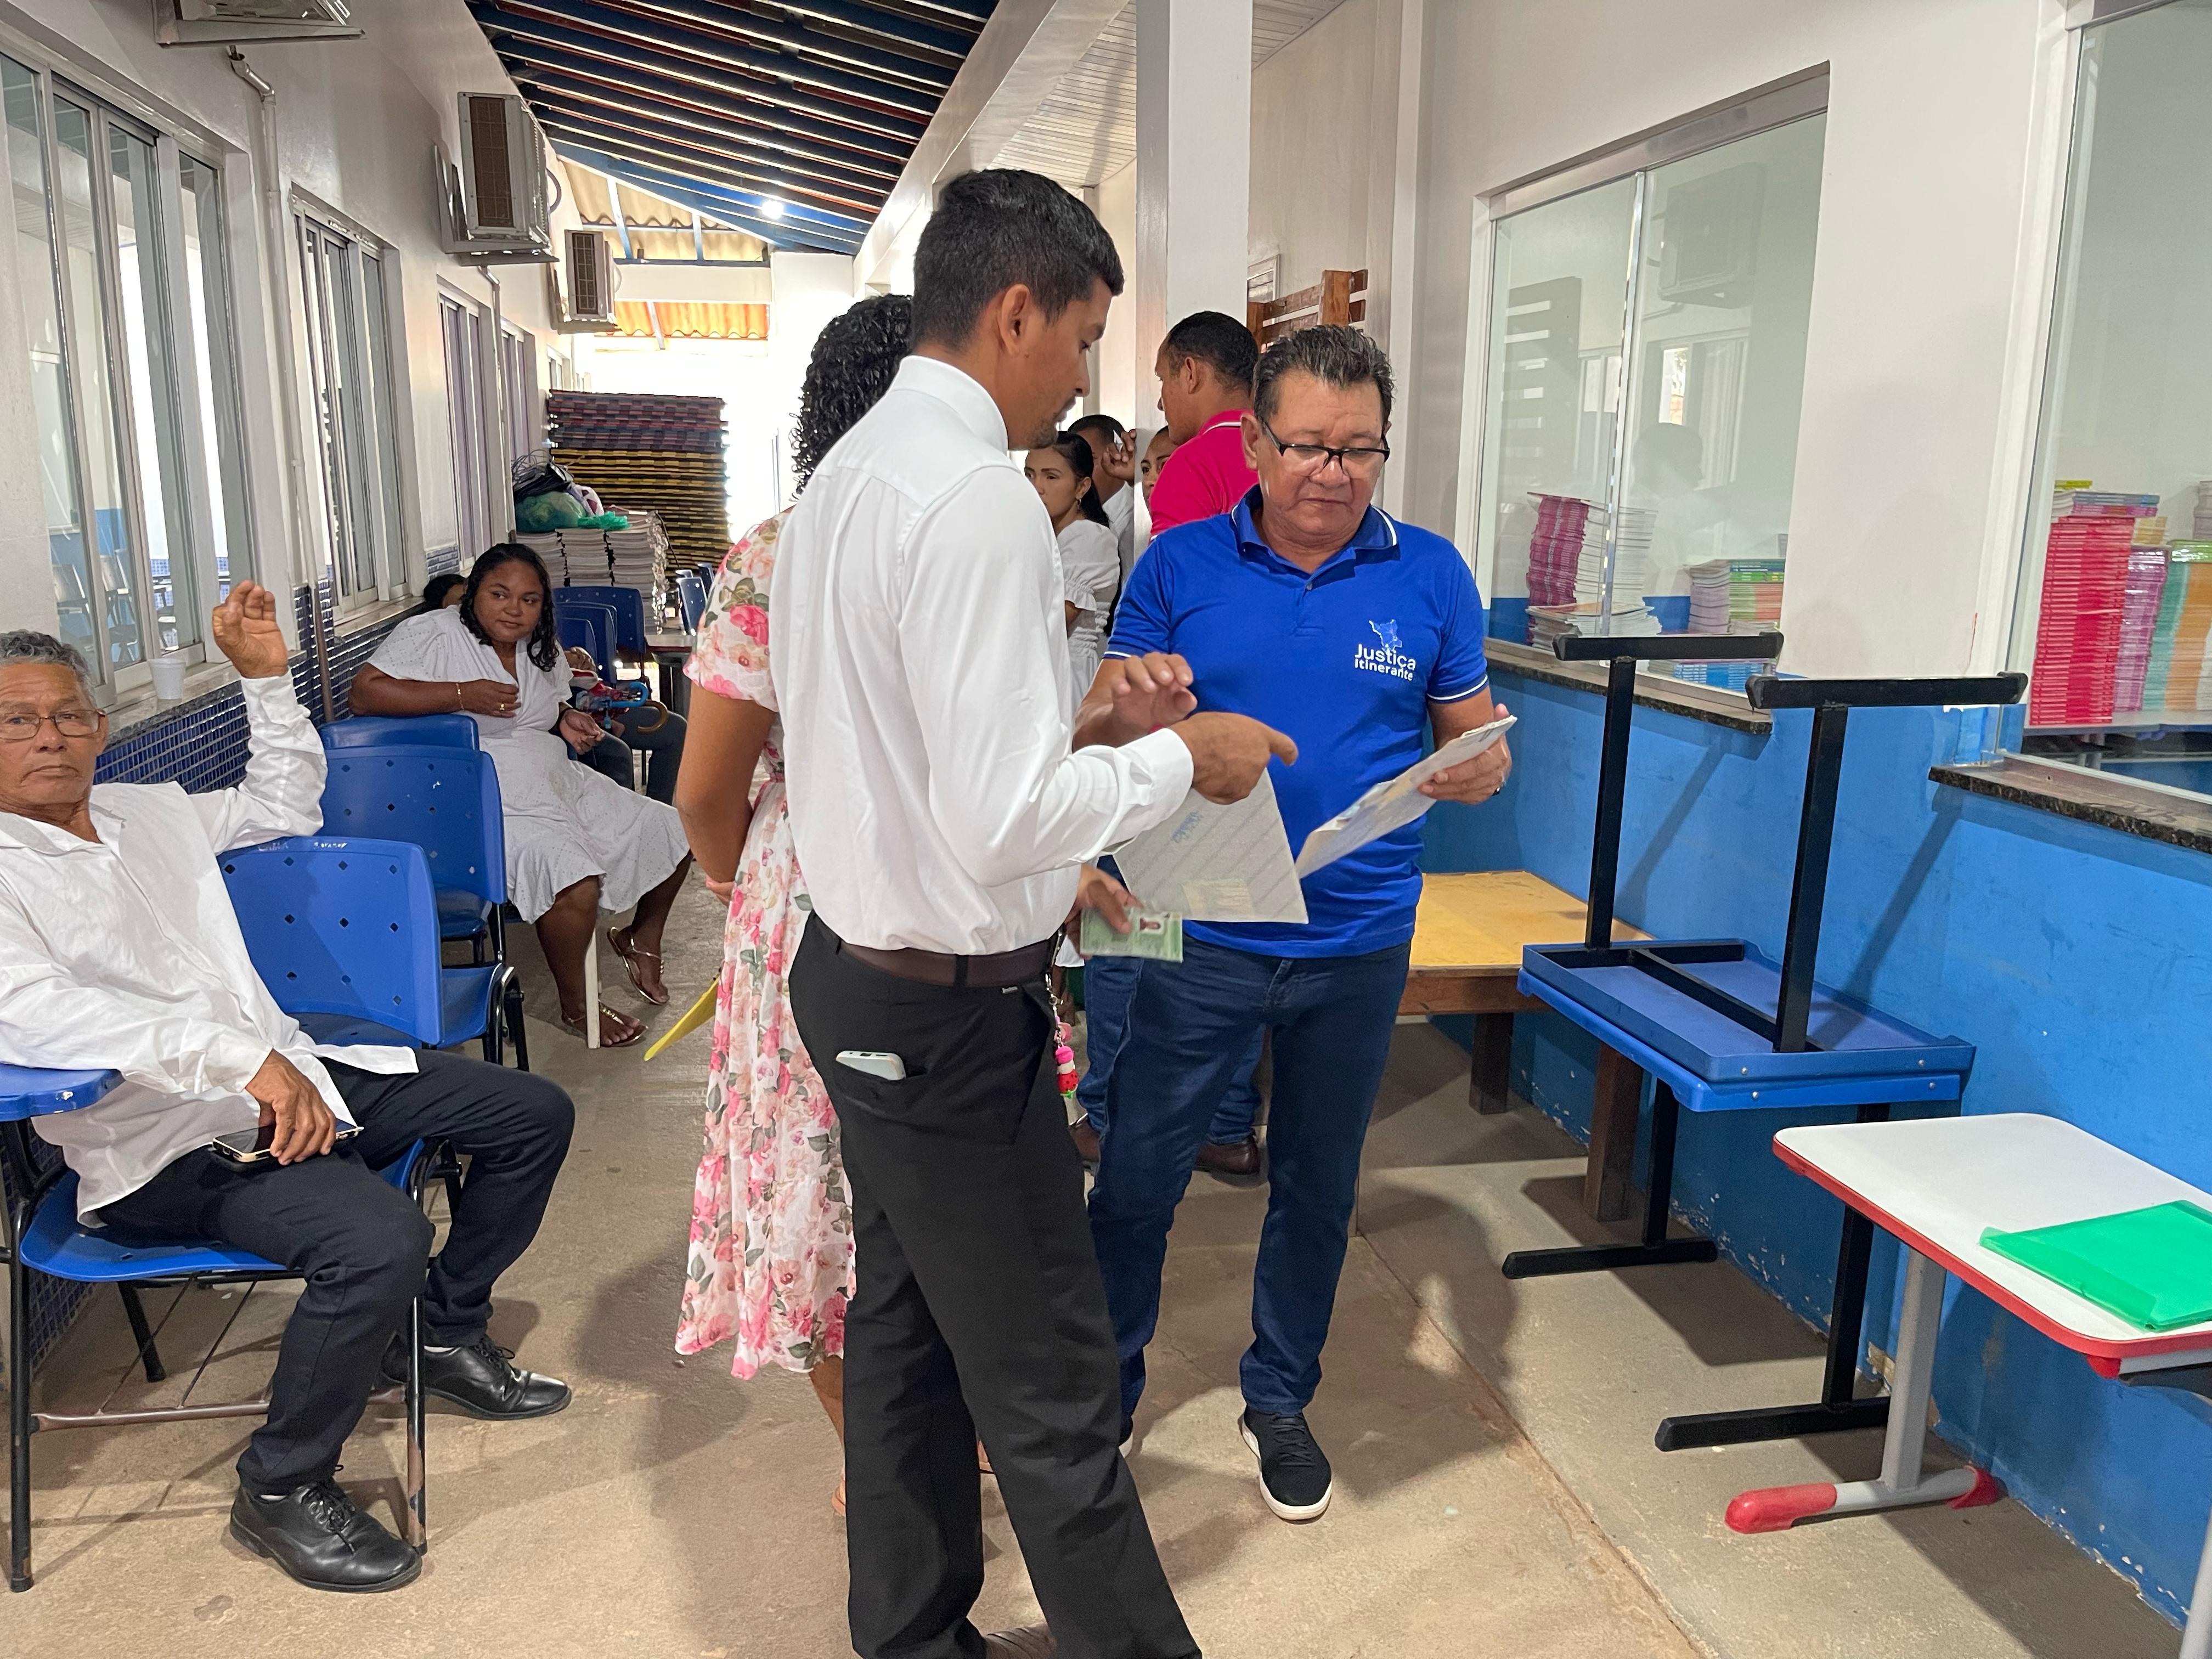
(1937, 1183)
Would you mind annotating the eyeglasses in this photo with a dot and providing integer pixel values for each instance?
(1355, 463)
(70, 722)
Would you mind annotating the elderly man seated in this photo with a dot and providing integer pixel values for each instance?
(119, 950)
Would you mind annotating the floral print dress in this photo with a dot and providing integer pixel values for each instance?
(770, 1264)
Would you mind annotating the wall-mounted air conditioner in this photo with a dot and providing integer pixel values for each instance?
(589, 265)
(250, 22)
(495, 205)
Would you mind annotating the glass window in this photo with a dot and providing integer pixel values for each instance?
(128, 325)
(2115, 600)
(350, 359)
(214, 389)
(1647, 356)
(464, 412)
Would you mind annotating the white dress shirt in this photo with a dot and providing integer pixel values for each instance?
(1121, 517)
(921, 664)
(1091, 581)
(122, 954)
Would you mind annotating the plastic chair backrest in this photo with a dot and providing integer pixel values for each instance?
(629, 607)
(589, 626)
(413, 731)
(33, 1091)
(691, 600)
(343, 927)
(445, 801)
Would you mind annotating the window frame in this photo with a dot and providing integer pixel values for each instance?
(193, 568)
(468, 420)
(1766, 108)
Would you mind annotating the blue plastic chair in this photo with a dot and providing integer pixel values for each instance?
(590, 628)
(350, 929)
(627, 606)
(446, 802)
(413, 731)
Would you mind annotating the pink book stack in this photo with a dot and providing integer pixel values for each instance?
(2085, 587)
(1555, 547)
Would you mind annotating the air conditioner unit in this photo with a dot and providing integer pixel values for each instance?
(494, 205)
(250, 22)
(590, 267)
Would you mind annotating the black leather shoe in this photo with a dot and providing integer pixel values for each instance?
(318, 1536)
(481, 1379)
(1235, 1158)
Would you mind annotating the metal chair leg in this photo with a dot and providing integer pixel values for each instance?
(417, 1463)
(515, 1030)
(19, 1418)
(150, 1357)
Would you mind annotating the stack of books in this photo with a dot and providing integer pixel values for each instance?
(1547, 622)
(2085, 581)
(2174, 680)
(2139, 610)
(1555, 547)
(1629, 531)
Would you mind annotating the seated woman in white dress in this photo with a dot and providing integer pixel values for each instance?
(1089, 553)
(577, 843)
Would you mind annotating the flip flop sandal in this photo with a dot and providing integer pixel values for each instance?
(576, 1028)
(628, 955)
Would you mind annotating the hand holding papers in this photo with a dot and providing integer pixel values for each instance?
(1214, 863)
(1392, 803)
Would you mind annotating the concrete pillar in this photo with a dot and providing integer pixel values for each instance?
(1193, 167)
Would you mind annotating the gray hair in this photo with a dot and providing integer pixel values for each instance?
(24, 644)
(1333, 353)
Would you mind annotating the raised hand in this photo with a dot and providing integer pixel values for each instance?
(245, 631)
(1152, 691)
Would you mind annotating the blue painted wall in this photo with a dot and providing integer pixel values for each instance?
(2075, 958)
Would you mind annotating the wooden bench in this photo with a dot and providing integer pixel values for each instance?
(1467, 939)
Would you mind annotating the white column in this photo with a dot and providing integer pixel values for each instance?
(1193, 167)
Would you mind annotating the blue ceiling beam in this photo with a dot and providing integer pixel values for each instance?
(644, 159)
(881, 20)
(737, 213)
(750, 123)
(738, 23)
(686, 151)
(633, 32)
(597, 100)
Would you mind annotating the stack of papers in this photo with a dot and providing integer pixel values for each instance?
(2081, 501)
(1548, 622)
(1709, 597)
(2139, 612)
(1555, 547)
(1393, 802)
(2077, 636)
(1629, 532)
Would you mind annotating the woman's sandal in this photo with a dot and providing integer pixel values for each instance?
(576, 1028)
(630, 953)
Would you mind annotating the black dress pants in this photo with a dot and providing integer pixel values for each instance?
(977, 1306)
(362, 1245)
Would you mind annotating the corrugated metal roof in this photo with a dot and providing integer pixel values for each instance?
(788, 121)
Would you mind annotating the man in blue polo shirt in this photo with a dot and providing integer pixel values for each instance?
(1309, 609)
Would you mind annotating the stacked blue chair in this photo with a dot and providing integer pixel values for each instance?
(413, 731)
(334, 928)
(1718, 1026)
(627, 606)
(591, 627)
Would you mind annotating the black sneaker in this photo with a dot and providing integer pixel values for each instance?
(481, 1378)
(318, 1536)
(1294, 1476)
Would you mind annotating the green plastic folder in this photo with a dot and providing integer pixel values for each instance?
(2153, 1268)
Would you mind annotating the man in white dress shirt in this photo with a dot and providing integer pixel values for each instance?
(1113, 476)
(119, 951)
(941, 819)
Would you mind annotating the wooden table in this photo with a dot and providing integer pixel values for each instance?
(1467, 941)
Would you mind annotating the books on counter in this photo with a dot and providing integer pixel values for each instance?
(1567, 552)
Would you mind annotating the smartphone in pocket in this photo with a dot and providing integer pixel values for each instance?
(248, 1148)
(890, 1067)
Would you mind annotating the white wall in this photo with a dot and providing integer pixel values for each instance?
(1126, 390)
(357, 121)
(1312, 113)
(1927, 184)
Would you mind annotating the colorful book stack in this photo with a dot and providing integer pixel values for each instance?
(2139, 610)
(2085, 580)
(2178, 658)
(646, 454)
(1555, 547)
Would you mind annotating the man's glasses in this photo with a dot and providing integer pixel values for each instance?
(1357, 463)
(70, 722)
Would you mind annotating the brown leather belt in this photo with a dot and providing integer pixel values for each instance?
(975, 973)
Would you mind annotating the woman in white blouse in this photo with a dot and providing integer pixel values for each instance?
(1089, 553)
(577, 843)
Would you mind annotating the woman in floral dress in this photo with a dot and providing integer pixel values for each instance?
(771, 1263)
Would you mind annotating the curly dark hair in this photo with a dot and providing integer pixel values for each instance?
(435, 590)
(545, 639)
(1075, 449)
(854, 360)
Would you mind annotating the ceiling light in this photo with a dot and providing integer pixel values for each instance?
(771, 207)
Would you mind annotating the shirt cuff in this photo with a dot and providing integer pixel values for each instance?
(1162, 761)
(231, 1059)
(273, 695)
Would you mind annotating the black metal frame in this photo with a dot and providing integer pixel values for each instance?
(27, 1189)
(1786, 1027)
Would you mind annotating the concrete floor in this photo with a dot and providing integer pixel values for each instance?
(1496, 1492)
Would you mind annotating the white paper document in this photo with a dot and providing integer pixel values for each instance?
(1212, 863)
(1393, 802)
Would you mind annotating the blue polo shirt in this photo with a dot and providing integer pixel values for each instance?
(1346, 661)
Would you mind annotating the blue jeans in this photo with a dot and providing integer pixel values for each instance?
(1109, 983)
(1190, 1026)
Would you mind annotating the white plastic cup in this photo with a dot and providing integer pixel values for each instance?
(168, 679)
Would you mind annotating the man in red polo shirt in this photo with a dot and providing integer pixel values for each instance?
(1204, 367)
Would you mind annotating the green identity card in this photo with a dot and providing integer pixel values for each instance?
(1152, 934)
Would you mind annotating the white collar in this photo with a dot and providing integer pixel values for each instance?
(959, 391)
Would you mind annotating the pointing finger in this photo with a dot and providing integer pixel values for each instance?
(1280, 746)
